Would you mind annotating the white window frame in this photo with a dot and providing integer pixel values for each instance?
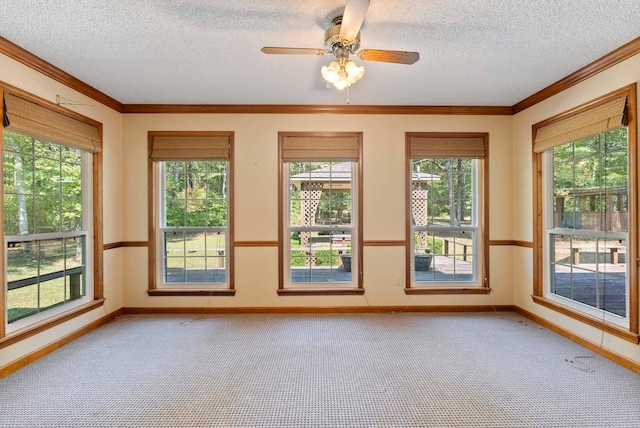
(87, 232)
(162, 229)
(352, 228)
(474, 228)
(549, 231)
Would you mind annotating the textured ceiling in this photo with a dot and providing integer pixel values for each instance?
(472, 52)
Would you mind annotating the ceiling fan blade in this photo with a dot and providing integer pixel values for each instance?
(397, 57)
(293, 51)
(352, 18)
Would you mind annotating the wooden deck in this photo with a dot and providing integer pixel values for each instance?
(579, 284)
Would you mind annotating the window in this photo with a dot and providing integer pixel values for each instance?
(446, 231)
(586, 233)
(191, 212)
(49, 160)
(320, 192)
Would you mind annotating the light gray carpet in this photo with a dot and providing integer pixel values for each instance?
(321, 370)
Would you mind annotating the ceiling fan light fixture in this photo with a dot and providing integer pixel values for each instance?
(342, 74)
(331, 73)
(354, 73)
(342, 83)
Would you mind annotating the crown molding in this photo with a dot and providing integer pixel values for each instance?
(38, 64)
(624, 52)
(314, 109)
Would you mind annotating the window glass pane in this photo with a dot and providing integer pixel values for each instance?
(18, 177)
(196, 196)
(217, 185)
(174, 180)
(216, 242)
(174, 244)
(442, 197)
(217, 212)
(195, 269)
(47, 176)
(441, 190)
(591, 271)
(43, 274)
(175, 269)
(175, 212)
(320, 256)
(194, 244)
(71, 214)
(71, 180)
(196, 212)
(44, 149)
(320, 193)
(18, 143)
(443, 256)
(48, 214)
(71, 155)
(18, 215)
(589, 191)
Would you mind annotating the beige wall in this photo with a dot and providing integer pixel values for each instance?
(256, 218)
(614, 78)
(22, 77)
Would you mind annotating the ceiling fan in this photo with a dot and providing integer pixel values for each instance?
(343, 39)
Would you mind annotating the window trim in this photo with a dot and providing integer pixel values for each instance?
(97, 229)
(154, 197)
(630, 334)
(483, 222)
(321, 289)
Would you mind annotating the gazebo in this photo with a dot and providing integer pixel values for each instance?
(337, 178)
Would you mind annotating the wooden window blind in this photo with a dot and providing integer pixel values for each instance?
(454, 146)
(189, 147)
(320, 148)
(29, 118)
(586, 123)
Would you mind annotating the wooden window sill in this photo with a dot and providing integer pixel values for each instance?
(588, 319)
(49, 323)
(190, 292)
(447, 290)
(319, 291)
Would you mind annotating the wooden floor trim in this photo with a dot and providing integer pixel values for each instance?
(39, 353)
(595, 347)
(316, 309)
(50, 323)
(588, 320)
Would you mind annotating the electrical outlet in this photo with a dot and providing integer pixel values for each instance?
(399, 281)
(494, 279)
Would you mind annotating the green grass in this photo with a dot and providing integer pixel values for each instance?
(196, 252)
(22, 263)
(23, 302)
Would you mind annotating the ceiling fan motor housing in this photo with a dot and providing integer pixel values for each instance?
(332, 40)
